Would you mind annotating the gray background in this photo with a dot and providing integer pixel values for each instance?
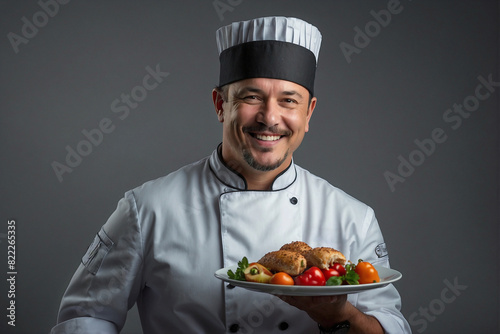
(441, 224)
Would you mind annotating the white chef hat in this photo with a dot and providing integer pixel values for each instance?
(275, 47)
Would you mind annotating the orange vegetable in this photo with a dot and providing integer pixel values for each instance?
(367, 273)
(282, 279)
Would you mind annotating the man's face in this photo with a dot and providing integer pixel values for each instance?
(264, 122)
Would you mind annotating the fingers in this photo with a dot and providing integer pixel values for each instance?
(306, 302)
(322, 309)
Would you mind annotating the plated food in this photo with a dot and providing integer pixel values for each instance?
(387, 276)
(297, 263)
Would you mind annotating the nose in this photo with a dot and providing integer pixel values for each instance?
(269, 113)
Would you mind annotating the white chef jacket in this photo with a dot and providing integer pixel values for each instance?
(162, 245)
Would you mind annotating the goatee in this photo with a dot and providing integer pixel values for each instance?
(250, 160)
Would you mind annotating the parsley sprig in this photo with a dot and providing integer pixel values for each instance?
(239, 275)
(350, 277)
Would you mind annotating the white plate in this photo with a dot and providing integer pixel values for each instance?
(386, 275)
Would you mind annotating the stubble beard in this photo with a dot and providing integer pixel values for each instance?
(250, 160)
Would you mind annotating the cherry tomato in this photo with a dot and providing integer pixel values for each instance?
(255, 272)
(367, 273)
(282, 279)
(312, 276)
(340, 268)
(330, 272)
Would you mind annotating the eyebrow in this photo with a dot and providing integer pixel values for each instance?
(251, 89)
(292, 93)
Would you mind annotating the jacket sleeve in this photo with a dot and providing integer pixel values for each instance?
(384, 303)
(107, 282)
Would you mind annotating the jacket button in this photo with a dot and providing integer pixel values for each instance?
(294, 200)
(234, 328)
(283, 326)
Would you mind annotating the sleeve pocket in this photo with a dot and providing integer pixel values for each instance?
(97, 251)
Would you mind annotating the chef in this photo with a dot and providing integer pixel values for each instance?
(166, 238)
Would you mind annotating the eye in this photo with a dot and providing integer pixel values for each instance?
(252, 99)
(288, 103)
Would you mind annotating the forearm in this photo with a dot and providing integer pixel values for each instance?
(366, 325)
(359, 322)
(331, 310)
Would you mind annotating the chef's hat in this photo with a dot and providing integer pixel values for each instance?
(275, 47)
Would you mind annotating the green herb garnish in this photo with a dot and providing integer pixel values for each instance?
(239, 275)
(350, 277)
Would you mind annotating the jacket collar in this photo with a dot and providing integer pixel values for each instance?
(233, 179)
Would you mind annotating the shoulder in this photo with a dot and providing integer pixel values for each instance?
(170, 185)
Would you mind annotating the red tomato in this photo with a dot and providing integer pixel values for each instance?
(282, 279)
(330, 272)
(367, 273)
(312, 276)
(340, 268)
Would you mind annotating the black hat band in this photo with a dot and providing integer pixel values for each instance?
(268, 59)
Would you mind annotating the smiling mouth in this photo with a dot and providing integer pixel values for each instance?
(266, 137)
(266, 134)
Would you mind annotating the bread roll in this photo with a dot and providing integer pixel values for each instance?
(297, 246)
(324, 257)
(289, 262)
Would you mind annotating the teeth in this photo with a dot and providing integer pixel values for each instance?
(268, 138)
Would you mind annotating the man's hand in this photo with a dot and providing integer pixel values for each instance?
(330, 310)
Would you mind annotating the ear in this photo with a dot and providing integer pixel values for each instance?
(310, 110)
(218, 102)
